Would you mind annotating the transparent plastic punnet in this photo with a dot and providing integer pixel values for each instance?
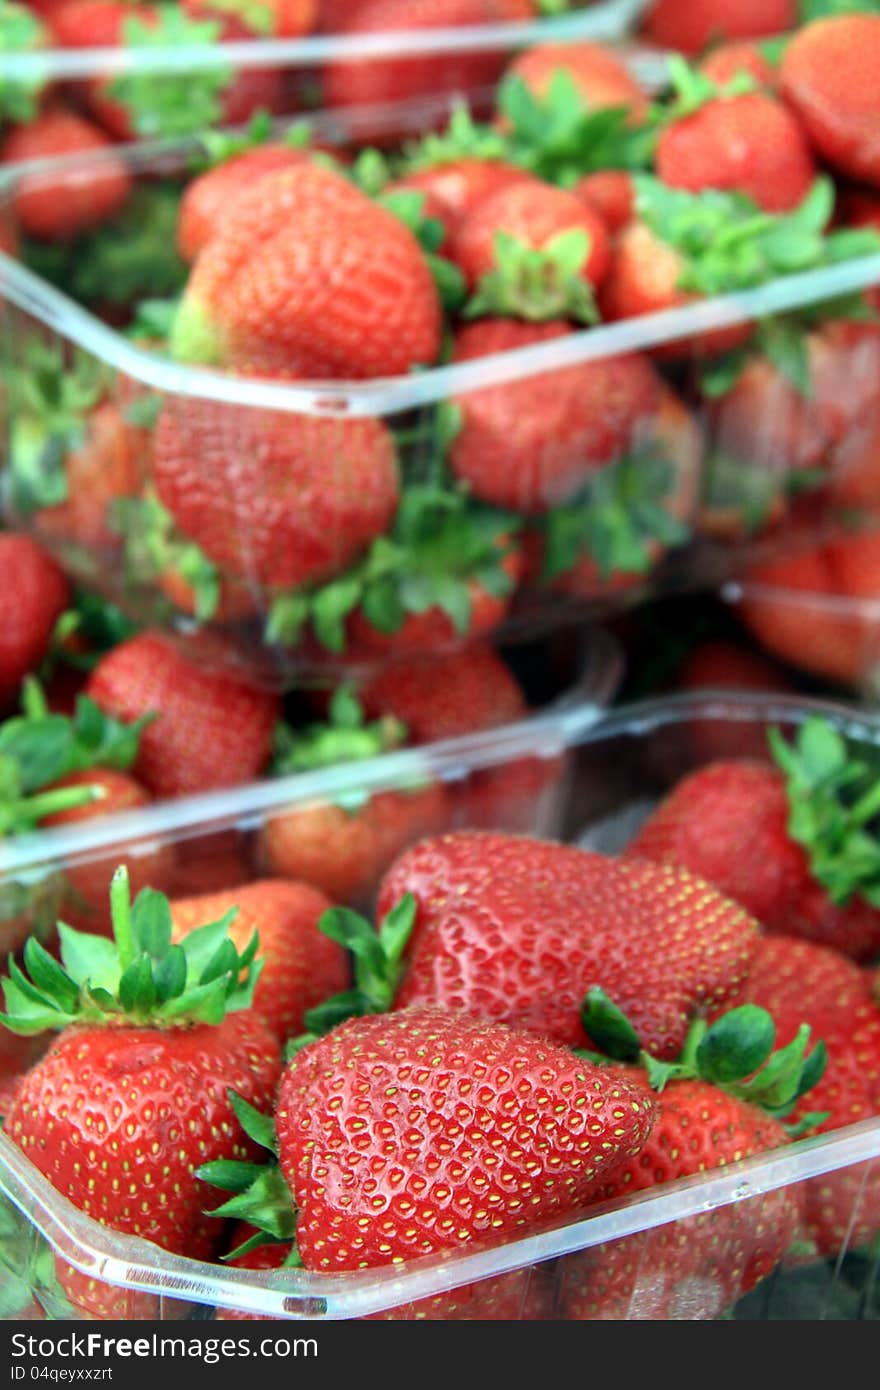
(203, 72)
(732, 1242)
(505, 493)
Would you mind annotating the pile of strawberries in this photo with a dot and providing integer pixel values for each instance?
(358, 525)
(526, 1032)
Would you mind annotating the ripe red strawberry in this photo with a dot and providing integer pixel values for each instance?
(423, 1177)
(59, 206)
(722, 1101)
(301, 966)
(495, 246)
(376, 81)
(749, 144)
(279, 19)
(558, 921)
(828, 75)
(206, 201)
(274, 499)
(107, 463)
(531, 444)
(86, 904)
(210, 730)
(724, 63)
(32, 598)
(310, 277)
(475, 690)
(798, 981)
(797, 609)
(454, 187)
(610, 193)
(596, 73)
(688, 28)
(778, 837)
(138, 1084)
(132, 105)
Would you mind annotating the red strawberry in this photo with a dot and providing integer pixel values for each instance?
(776, 838)
(126, 1089)
(597, 75)
(749, 144)
(475, 690)
(719, 664)
(829, 75)
(610, 193)
(86, 903)
(59, 206)
(728, 60)
(279, 19)
(309, 277)
(495, 246)
(422, 1177)
(681, 25)
(210, 730)
(798, 981)
(206, 201)
(274, 499)
(301, 965)
(556, 921)
(107, 464)
(32, 598)
(531, 444)
(376, 81)
(454, 188)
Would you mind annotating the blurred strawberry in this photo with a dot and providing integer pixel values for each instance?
(32, 598)
(59, 206)
(688, 28)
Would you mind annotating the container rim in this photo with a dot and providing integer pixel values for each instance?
(135, 1263)
(601, 20)
(391, 395)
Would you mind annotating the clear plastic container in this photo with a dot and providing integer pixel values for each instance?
(698, 484)
(182, 87)
(608, 772)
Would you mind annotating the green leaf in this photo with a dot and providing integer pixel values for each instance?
(151, 922)
(90, 960)
(259, 1127)
(137, 993)
(736, 1045)
(608, 1027)
(170, 975)
(48, 976)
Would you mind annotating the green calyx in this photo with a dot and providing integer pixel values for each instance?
(163, 105)
(51, 398)
(138, 978)
(537, 284)
(38, 748)
(153, 546)
(558, 137)
(194, 338)
(691, 90)
(617, 520)
(261, 1196)
(462, 138)
(735, 1053)
(834, 809)
(727, 243)
(219, 146)
(346, 736)
(20, 32)
(378, 966)
(442, 544)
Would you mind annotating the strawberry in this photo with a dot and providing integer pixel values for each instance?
(454, 186)
(802, 609)
(210, 730)
(32, 599)
(532, 444)
(680, 25)
(279, 19)
(152, 1039)
(84, 904)
(532, 251)
(598, 76)
(344, 845)
(107, 464)
(828, 75)
(309, 277)
(301, 965)
(274, 499)
(610, 193)
(378, 81)
(723, 1101)
(476, 690)
(59, 206)
(728, 61)
(559, 921)
(784, 838)
(148, 105)
(727, 664)
(414, 1190)
(749, 144)
(799, 981)
(207, 199)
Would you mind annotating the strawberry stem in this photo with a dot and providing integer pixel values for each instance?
(120, 913)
